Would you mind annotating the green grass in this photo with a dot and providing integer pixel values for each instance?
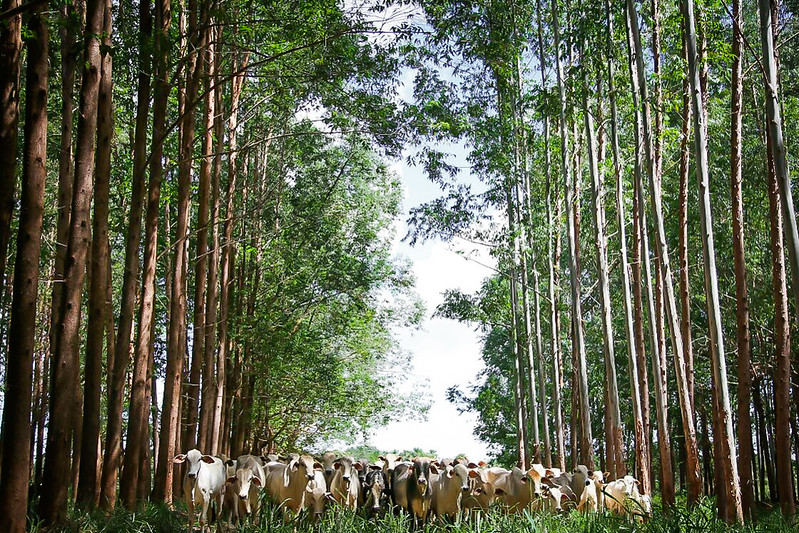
(157, 518)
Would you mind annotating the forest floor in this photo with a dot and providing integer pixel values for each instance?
(701, 519)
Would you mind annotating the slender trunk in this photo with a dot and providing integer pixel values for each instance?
(138, 430)
(642, 460)
(98, 283)
(614, 446)
(66, 362)
(586, 450)
(782, 338)
(170, 419)
(16, 432)
(10, 48)
(116, 390)
(692, 456)
(719, 364)
(741, 292)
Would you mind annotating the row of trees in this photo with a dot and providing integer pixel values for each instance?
(546, 97)
(203, 250)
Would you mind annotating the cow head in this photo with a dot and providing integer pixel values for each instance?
(420, 470)
(195, 458)
(462, 473)
(327, 460)
(375, 488)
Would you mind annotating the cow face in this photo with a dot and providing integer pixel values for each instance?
(327, 460)
(195, 458)
(420, 470)
(345, 466)
(375, 488)
(460, 472)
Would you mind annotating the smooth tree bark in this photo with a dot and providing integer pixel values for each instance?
(689, 430)
(112, 458)
(585, 446)
(642, 457)
(741, 291)
(774, 115)
(782, 332)
(66, 362)
(137, 447)
(16, 431)
(10, 48)
(614, 446)
(99, 305)
(201, 264)
(211, 306)
(176, 340)
(718, 359)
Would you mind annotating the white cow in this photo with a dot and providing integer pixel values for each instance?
(623, 497)
(247, 482)
(204, 480)
(316, 495)
(449, 490)
(286, 484)
(345, 485)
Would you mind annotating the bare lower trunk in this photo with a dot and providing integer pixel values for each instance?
(98, 286)
(718, 359)
(637, 72)
(137, 446)
(16, 436)
(66, 361)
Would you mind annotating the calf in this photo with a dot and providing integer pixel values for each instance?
(376, 492)
(247, 483)
(449, 490)
(316, 495)
(410, 487)
(286, 484)
(623, 497)
(345, 485)
(204, 479)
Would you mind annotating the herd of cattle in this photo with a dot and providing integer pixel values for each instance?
(425, 488)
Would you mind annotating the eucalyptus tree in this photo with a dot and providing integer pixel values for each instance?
(65, 370)
(16, 434)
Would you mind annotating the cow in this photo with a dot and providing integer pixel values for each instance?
(449, 490)
(563, 483)
(589, 499)
(410, 487)
(204, 480)
(623, 497)
(517, 489)
(481, 489)
(316, 495)
(390, 461)
(286, 483)
(375, 492)
(551, 500)
(346, 485)
(327, 460)
(247, 483)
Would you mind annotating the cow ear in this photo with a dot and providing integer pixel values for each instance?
(337, 465)
(482, 463)
(399, 458)
(179, 458)
(474, 473)
(549, 473)
(230, 462)
(499, 492)
(564, 498)
(450, 472)
(231, 479)
(472, 465)
(383, 458)
(375, 468)
(207, 459)
(318, 465)
(257, 482)
(358, 467)
(411, 467)
(606, 475)
(433, 468)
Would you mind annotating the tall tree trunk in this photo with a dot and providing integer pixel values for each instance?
(782, 367)
(116, 390)
(16, 443)
(586, 449)
(614, 446)
(10, 48)
(200, 269)
(137, 446)
(741, 292)
(719, 364)
(170, 419)
(66, 361)
(768, 10)
(692, 455)
(642, 460)
(99, 306)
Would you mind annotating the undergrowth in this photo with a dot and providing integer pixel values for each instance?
(158, 518)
